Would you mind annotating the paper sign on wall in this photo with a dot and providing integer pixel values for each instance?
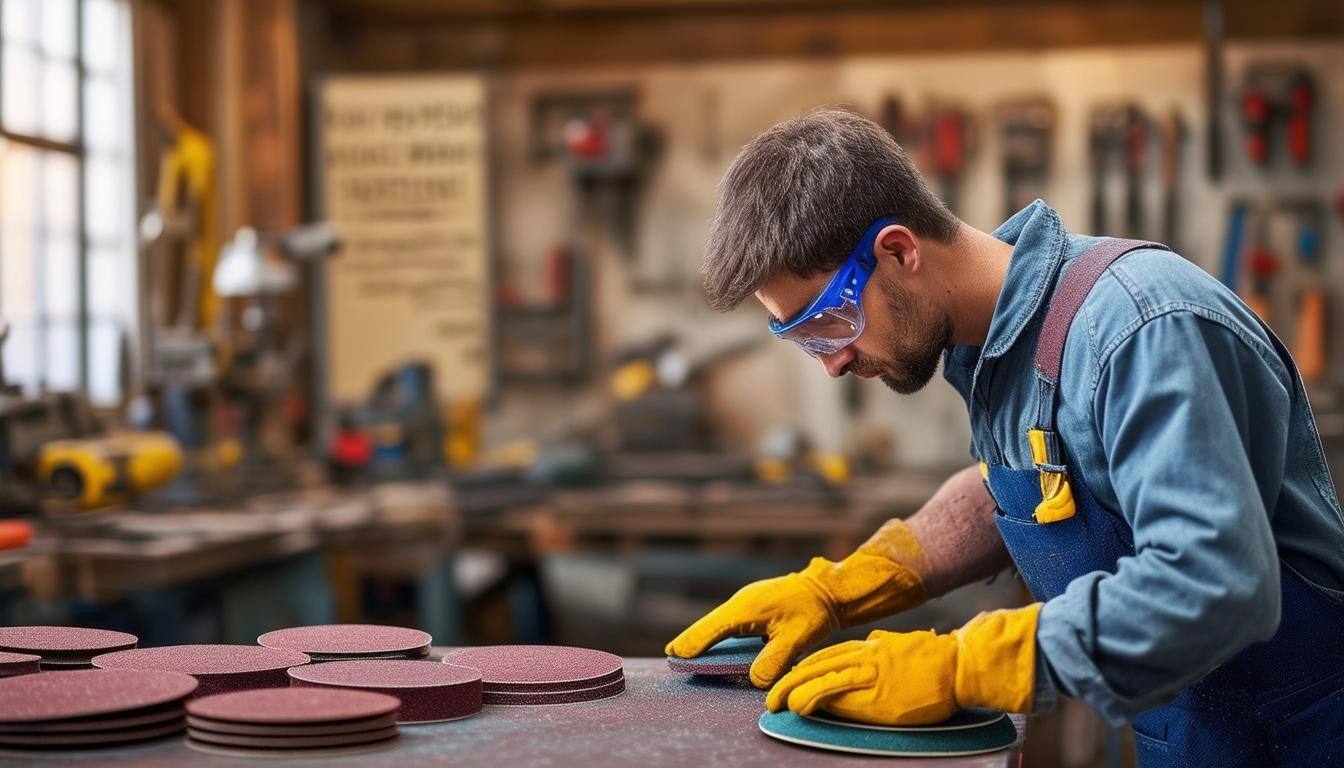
(402, 174)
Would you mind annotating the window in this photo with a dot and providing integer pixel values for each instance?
(68, 263)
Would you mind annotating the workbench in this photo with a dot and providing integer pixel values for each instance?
(662, 719)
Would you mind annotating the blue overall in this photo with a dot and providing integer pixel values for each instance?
(1278, 702)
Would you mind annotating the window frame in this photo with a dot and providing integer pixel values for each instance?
(77, 149)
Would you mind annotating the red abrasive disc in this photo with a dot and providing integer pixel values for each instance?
(292, 742)
(293, 706)
(64, 644)
(90, 739)
(549, 668)
(218, 668)
(429, 691)
(138, 719)
(246, 729)
(537, 698)
(353, 749)
(88, 693)
(18, 664)
(336, 641)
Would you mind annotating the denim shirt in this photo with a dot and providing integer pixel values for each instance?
(1182, 414)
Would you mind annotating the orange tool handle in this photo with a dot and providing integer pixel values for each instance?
(1309, 336)
(14, 533)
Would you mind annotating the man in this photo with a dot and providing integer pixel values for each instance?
(1145, 456)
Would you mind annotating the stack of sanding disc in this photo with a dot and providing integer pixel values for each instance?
(87, 708)
(350, 642)
(292, 722)
(430, 692)
(542, 674)
(218, 668)
(12, 664)
(64, 648)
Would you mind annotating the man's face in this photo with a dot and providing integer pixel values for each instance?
(904, 333)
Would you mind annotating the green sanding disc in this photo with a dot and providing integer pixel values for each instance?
(969, 733)
(730, 657)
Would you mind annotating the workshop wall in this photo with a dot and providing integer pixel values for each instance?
(707, 111)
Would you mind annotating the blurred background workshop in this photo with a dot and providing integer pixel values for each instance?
(388, 311)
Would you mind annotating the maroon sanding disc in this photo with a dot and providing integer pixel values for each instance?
(137, 719)
(246, 729)
(293, 706)
(218, 668)
(351, 749)
(88, 693)
(429, 691)
(18, 664)
(292, 742)
(337, 641)
(64, 644)
(92, 738)
(538, 698)
(518, 668)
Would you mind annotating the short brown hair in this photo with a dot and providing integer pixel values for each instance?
(800, 195)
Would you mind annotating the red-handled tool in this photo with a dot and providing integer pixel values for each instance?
(1301, 95)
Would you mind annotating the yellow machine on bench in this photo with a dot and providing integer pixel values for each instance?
(52, 442)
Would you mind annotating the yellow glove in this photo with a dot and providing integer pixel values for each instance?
(913, 678)
(797, 611)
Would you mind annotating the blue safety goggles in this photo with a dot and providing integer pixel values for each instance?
(834, 319)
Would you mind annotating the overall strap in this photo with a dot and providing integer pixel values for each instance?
(1081, 275)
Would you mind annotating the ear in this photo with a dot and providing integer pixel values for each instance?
(898, 243)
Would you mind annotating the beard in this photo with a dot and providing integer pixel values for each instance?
(912, 352)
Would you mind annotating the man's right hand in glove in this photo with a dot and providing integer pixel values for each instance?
(797, 611)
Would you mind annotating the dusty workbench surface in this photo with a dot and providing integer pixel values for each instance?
(662, 719)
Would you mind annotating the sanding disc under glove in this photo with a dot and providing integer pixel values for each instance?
(218, 668)
(966, 733)
(335, 642)
(543, 668)
(730, 657)
(429, 691)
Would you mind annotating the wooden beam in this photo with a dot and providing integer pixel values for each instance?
(603, 32)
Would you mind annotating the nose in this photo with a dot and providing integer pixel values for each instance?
(835, 362)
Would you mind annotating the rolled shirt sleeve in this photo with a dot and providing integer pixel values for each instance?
(1193, 420)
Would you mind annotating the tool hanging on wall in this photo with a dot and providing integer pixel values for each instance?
(946, 149)
(1026, 132)
(1263, 265)
(1173, 134)
(1136, 137)
(1213, 86)
(1310, 324)
(1277, 98)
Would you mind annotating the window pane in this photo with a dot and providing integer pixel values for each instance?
(62, 355)
(60, 92)
(102, 27)
(105, 211)
(60, 193)
(20, 353)
(60, 272)
(105, 284)
(18, 19)
(19, 88)
(105, 363)
(18, 185)
(103, 128)
(58, 28)
(18, 279)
